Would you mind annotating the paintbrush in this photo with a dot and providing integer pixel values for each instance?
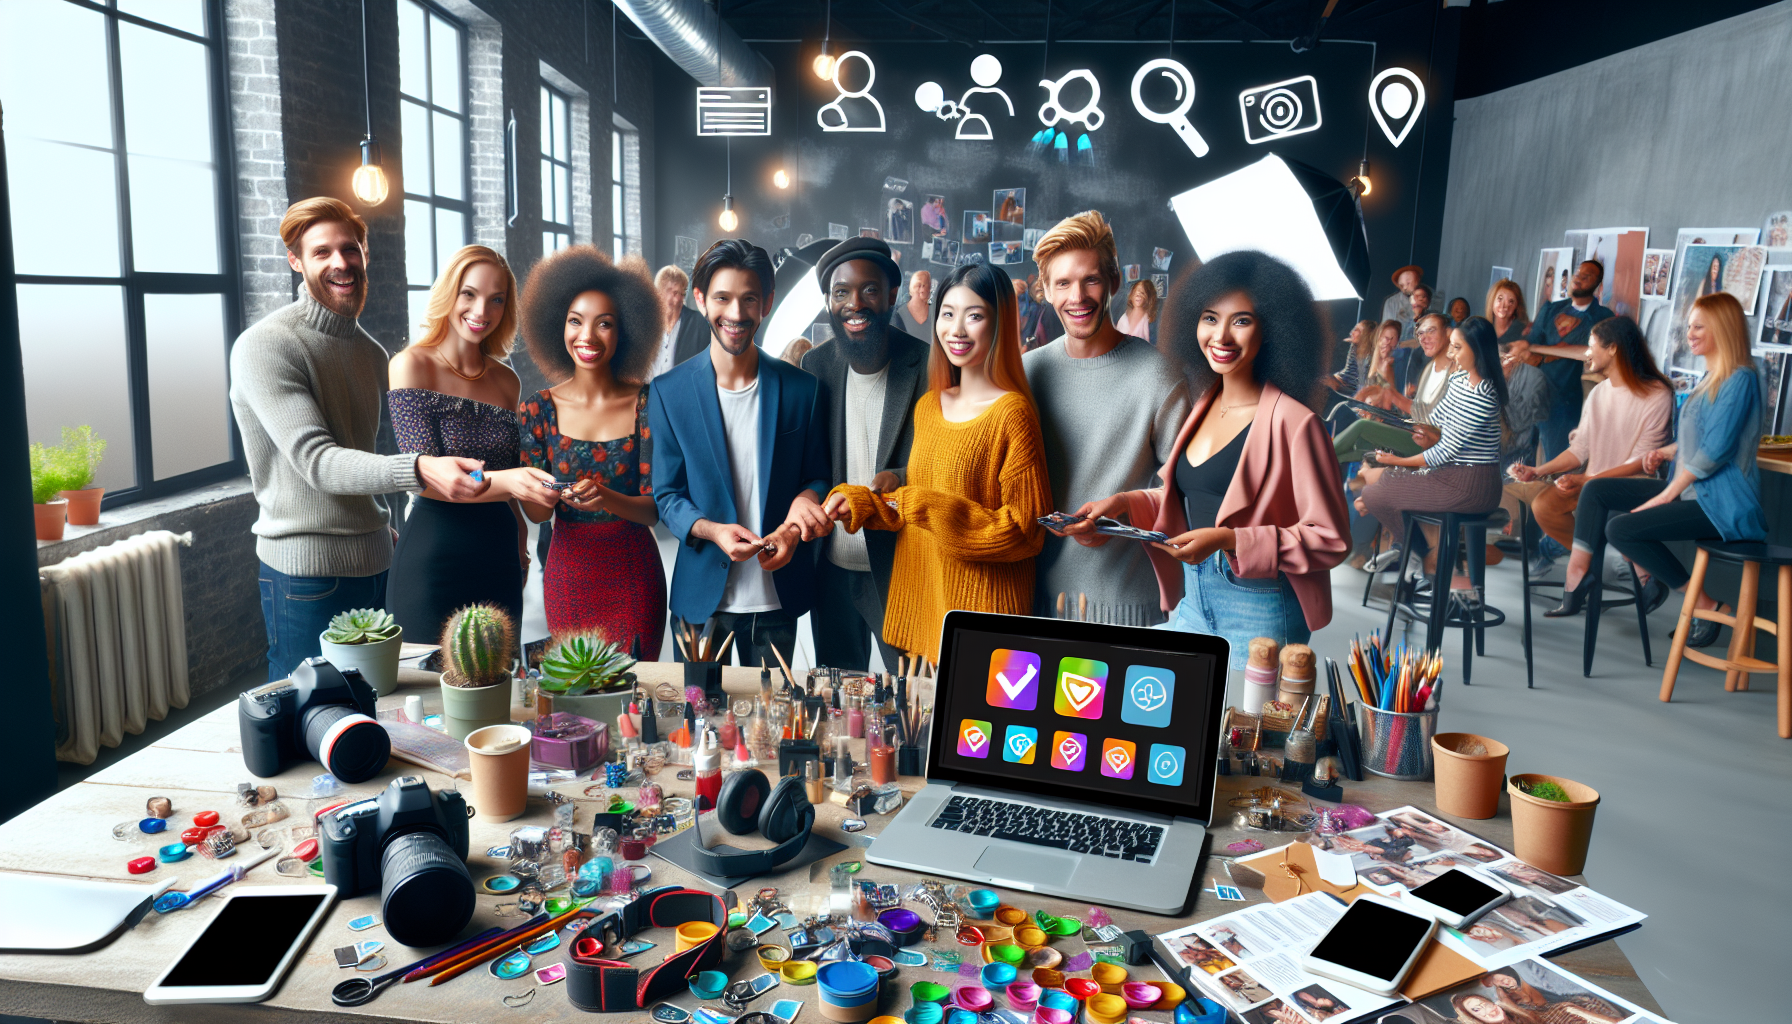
(782, 665)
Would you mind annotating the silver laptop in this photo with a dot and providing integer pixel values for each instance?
(1068, 758)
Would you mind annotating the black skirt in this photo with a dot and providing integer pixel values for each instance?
(451, 555)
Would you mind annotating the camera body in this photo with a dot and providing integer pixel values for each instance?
(1280, 109)
(411, 845)
(321, 713)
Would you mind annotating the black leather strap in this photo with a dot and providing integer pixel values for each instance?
(602, 985)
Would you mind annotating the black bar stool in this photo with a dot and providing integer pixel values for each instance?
(1590, 639)
(1474, 623)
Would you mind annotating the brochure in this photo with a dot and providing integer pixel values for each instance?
(1530, 990)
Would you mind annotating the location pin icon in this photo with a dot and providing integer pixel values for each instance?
(1396, 98)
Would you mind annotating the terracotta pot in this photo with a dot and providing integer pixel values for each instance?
(500, 756)
(1550, 834)
(84, 506)
(51, 516)
(1468, 785)
(466, 708)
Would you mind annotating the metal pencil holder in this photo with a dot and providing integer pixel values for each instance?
(1395, 745)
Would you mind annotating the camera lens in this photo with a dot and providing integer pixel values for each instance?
(426, 894)
(348, 744)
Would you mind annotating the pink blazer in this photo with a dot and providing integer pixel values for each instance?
(1286, 504)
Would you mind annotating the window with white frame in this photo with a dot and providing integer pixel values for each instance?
(432, 102)
(556, 169)
(625, 188)
(121, 232)
(618, 233)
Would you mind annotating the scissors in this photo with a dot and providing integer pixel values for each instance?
(1185, 92)
(356, 991)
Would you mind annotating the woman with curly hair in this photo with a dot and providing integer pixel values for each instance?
(452, 394)
(592, 326)
(1252, 501)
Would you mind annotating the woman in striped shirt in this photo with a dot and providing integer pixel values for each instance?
(1458, 470)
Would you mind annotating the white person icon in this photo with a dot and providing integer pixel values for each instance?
(986, 71)
(854, 109)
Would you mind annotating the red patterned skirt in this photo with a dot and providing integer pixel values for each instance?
(607, 577)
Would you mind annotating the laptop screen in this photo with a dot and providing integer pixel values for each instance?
(1117, 715)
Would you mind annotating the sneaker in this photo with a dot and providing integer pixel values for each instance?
(1541, 566)
(1384, 561)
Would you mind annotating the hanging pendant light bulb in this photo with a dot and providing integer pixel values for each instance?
(729, 220)
(780, 178)
(370, 180)
(824, 62)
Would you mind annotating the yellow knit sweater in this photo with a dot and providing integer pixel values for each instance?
(968, 519)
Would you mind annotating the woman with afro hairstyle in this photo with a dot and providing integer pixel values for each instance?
(592, 326)
(1252, 500)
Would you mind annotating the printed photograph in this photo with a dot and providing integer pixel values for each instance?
(1195, 951)
(1712, 236)
(895, 184)
(1620, 252)
(1552, 275)
(1132, 271)
(1319, 1002)
(1778, 229)
(1705, 270)
(1007, 253)
(1160, 259)
(1010, 205)
(1499, 274)
(976, 227)
(1162, 283)
(684, 252)
(1242, 990)
(870, 233)
(838, 232)
(1277, 1012)
(934, 216)
(1030, 237)
(945, 252)
(1387, 843)
(1521, 874)
(1776, 311)
(1527, 992)
(1656, 265)
(1227, 939)
(899, 221)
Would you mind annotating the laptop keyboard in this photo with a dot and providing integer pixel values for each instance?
(1045, 826)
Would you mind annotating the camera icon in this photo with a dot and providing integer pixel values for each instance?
(1280, 109)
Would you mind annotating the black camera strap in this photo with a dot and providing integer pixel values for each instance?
(602, 985)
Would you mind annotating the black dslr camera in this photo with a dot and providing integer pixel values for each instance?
(410, 844)
(321, 713)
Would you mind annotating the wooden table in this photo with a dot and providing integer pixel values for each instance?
(199, 766)
(1774, 461)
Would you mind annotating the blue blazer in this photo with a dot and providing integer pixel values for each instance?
(692, 479)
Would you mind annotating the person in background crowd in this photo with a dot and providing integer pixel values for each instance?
(911, 317)
(1461, 440)
(1359, 351)
(1109, 406)
(1560, 335)
(1140, 319)
(1417, 308)
(967, 519)
(1713, 460)
(591, 325)
(1405, 280)
(739, 465)
(306, 387)
(1527, 406)
(685, 333)
(1250, 495)
(1626, 416)
(1505, 310)
(453, 394)
(1458, 310)
(1027, 307)
(870, 377)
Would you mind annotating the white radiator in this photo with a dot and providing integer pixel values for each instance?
(117, 640)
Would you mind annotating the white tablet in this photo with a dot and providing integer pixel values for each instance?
(246, 950)
(1372, 946)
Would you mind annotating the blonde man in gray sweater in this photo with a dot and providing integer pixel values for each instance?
(307, 385)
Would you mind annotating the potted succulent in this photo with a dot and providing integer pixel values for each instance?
(477, 646)
(1552, 822)
(367, 639)
(587, 676)
(51, 474)
(83, 452)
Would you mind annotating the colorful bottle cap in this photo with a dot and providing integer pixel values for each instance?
(927, 992)
(1172, 995)
(847, 983)
(998, 974)
(798, 972)
(141, 865)
(925, 1013)
(1109, 976)
(983, 902)
(970, 935)
(1082, 988)
(306, 851)
(1010, 916)
(773, 957)
(173, 853)
(1200, 1010)
(151, 826)
(1029, 937)
(513, 966)
(1046, 957)
(1004, 953)
(1051, 1015)
(1057, 999)
(205, 818)
(886, 968)
(1048, 978)
(1105, 1008)
(975, 998)
(692, 934)
(1022, 995)
(1140, 995)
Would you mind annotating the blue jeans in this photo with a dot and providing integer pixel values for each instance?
(1216, 601)
(297, 609)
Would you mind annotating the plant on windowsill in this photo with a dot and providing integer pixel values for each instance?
(83, 452)
(477, 646)
(586, 675)
(367, 639)
(51, 474)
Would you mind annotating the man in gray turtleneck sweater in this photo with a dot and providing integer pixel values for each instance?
(307, 383)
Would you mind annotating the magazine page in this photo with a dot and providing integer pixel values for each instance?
(1407, 847)
(1529, 991)
(1250, 962)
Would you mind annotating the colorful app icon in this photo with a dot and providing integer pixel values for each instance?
(1166, 764)
(1150, 693)
(1081, 684)
(973, 738)
(1013, 680)
(1069, 751)
(1020, 744)
(1117, 758)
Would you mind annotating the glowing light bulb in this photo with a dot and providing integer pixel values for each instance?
(369, 182)
(781, 179)
(729, 220)
(824, 65)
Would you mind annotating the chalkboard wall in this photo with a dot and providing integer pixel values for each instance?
(1133, 168)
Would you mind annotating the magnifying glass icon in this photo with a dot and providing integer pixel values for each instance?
(1185, 92)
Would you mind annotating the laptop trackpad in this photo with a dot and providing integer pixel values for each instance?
(1041, 869)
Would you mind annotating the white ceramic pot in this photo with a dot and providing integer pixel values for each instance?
(377, 662)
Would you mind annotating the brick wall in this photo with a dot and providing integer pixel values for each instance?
(254, 66)
(582, 170)
(485, 122)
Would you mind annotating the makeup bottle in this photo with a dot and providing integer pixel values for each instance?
(842, 766)
(812, 782)
(855, 717)
(1299, 671)
(881, 753)
(625, 728)
(729, 732)
(1260, 675)
(708, 761)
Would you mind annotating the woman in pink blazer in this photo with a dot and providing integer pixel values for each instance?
(1253, 501)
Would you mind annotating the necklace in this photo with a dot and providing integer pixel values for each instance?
(1224, 409)
(483, 366)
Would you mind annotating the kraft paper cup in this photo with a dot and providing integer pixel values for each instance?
(500, 766)
(1468, 785)
(1551, 834)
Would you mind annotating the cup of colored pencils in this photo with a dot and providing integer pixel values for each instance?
(1398, 690)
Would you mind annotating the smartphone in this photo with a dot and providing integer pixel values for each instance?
(1458, 897)
(1372, 946)
(560, 485)
(219, 967)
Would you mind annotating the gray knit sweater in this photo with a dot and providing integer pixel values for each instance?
(1109, 424)
(307, 386)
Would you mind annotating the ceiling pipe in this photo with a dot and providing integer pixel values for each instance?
(687, 31)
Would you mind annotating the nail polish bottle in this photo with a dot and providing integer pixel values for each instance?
(708, 761)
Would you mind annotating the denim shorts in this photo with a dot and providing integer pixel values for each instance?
(1217, 601)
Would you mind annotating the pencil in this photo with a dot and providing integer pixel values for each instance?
(722, 652)
(472, 945)
(450, 970)
(785, 665)
(1060, 604)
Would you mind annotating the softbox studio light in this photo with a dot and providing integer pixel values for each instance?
(799, 298)
(1291, 211)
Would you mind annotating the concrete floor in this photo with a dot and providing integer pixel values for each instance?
(1681, 784)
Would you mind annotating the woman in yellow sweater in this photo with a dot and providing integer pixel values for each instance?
(968, 514)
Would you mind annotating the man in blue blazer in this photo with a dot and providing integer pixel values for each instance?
(740, 464)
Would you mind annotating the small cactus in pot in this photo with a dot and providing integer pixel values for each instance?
(478, 644)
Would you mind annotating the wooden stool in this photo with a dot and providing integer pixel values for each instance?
(1740, 661)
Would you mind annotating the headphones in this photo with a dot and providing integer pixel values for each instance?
(749, 802)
